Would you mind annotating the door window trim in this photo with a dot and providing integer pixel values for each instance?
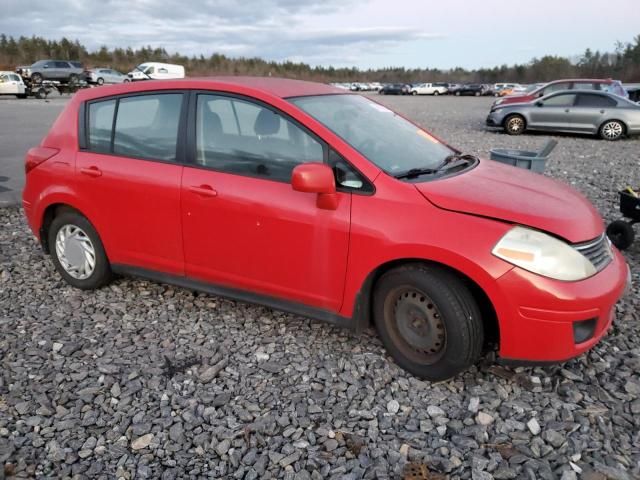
(191, 140)
(83, 125)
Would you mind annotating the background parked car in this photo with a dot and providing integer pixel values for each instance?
(582, 111)
(156, 71)
(60, 70)
(395, 89)
(12, 84)
(608, 85)
(105, 75)
(428, 89)
(474, 89)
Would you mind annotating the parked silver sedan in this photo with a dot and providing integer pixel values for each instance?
(580, 111)
(105, 75)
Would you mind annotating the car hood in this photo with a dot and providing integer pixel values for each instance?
(519, 196)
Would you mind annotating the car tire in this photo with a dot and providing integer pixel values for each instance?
(73, 79)
(100, 81)
(41, 93)
(36, 78)
(514, 124)
(21, 96)
(382, 92)
(126, 80)
(611, 130)
(457, 94)
(621, 234)
(436, 93)
(414, 93)
(477, 94)
(428, 321)
(75, 245)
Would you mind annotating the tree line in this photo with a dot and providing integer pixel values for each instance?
(622, 63)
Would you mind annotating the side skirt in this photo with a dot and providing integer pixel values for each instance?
(236, 294)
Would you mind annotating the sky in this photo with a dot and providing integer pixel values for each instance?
(362, 33)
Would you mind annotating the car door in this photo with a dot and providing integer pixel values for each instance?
(552, 113)
(590, 110)
(244, 226)
(128, 175)
(61, 71)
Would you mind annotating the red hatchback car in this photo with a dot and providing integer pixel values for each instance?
(313, 200)
(605, 85)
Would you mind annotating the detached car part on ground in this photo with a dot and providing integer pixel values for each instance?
(576, 111)
(306, 198)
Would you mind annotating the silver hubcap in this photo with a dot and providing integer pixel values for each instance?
(612, 130)
(516, 124)
(75, 252)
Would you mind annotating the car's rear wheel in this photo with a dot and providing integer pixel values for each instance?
(457, 94)
(100, 81)
(611, 130)
(621, 234)
(77, 251)
(428, 321)
(477, 94)
(436, 93)
(36, 78)
(414, 93)
(514, 125)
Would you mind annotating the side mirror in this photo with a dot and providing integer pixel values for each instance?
(316, 178)
(539, 103)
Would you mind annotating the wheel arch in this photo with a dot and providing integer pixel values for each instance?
(625, 127)
(50, 212)
(362, 311)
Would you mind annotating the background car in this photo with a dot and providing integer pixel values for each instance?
(101, 76)
(608, 85)
(395, 89)
(60, 70)
(475, 89)
(11, 84)
(427, 89)
(156, 71)
(582, 111)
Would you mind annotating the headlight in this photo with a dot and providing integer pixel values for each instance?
(543, 254)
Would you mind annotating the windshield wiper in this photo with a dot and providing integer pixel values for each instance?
(451, 161)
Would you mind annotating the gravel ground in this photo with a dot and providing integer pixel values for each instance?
(140, 380)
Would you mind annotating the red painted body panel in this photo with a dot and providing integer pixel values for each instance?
(530, 97)
(260, 235)
(516, 195)
(263, 236)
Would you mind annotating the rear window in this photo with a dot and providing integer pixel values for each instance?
(146, 126)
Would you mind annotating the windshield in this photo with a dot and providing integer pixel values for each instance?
(385, 138)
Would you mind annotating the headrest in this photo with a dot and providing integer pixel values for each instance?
(211, 122)
(267, 123)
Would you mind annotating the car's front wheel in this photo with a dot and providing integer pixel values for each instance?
(77, 251)
(514, 125)
(436, 93)
(100, 81)
(611, 130)
(428, 321)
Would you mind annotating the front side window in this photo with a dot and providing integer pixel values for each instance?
(565, 100)
(245, 138)
(147, 126)
(389, 141)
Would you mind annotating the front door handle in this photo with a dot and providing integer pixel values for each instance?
(91, 171)
(203, 190)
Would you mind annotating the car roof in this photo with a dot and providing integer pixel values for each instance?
(593, 80)
(279, 87)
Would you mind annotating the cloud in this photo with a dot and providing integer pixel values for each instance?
(272, 29)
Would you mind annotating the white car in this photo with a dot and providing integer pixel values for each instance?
(12, 84)
(156, 71)
(428, 89)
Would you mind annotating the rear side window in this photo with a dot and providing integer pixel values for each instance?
(61, 65)
(146, 126)
(556, 87)
(585, 100)
(100, 125)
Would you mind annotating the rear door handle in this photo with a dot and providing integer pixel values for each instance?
(91, 171)
(203, 190)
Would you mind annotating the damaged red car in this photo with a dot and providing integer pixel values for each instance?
(323, 203)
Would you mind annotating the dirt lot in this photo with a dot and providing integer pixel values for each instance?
(140, 380)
